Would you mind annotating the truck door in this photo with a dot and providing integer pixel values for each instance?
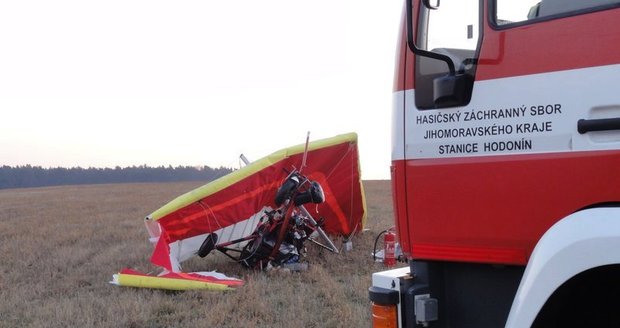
(511, 123)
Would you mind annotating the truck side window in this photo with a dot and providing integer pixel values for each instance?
(453, 30)
(517, 11)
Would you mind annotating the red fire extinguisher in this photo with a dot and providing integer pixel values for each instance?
(389, 248)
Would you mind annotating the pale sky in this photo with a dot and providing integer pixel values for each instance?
(107, 83)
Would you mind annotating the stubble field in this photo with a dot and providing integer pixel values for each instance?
(59, 247)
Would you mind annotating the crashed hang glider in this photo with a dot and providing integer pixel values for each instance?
(256, 208)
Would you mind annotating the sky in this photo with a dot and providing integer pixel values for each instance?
(131, 82)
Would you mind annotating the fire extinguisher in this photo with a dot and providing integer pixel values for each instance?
(389, 248)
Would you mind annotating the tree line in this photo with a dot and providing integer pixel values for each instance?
(36, 176)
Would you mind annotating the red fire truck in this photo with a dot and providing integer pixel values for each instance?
(505, 166)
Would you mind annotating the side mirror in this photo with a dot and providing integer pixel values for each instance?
(451, 90)
(431, 4)
(411, 39)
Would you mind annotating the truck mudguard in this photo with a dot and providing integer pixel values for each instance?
(584, 240)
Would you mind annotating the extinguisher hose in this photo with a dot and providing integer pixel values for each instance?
(374, 249)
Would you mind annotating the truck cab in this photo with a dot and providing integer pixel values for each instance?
(505, 165)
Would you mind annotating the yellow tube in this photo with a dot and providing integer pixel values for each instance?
(140, 281)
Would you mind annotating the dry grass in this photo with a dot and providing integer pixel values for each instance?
(59, 247)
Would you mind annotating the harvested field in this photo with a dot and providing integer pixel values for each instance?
(59, 247)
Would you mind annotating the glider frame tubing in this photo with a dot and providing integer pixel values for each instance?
(294, 199)
(330, 244)
(257, 235)
(296, 191)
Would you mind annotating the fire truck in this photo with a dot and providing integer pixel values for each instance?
(505, 166)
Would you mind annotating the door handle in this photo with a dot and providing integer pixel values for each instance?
(603, 124)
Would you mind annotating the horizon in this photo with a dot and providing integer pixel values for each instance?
(137, 82)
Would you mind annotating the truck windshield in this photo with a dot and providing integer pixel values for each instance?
(513, 11)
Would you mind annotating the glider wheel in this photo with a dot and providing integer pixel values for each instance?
(208, 245)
